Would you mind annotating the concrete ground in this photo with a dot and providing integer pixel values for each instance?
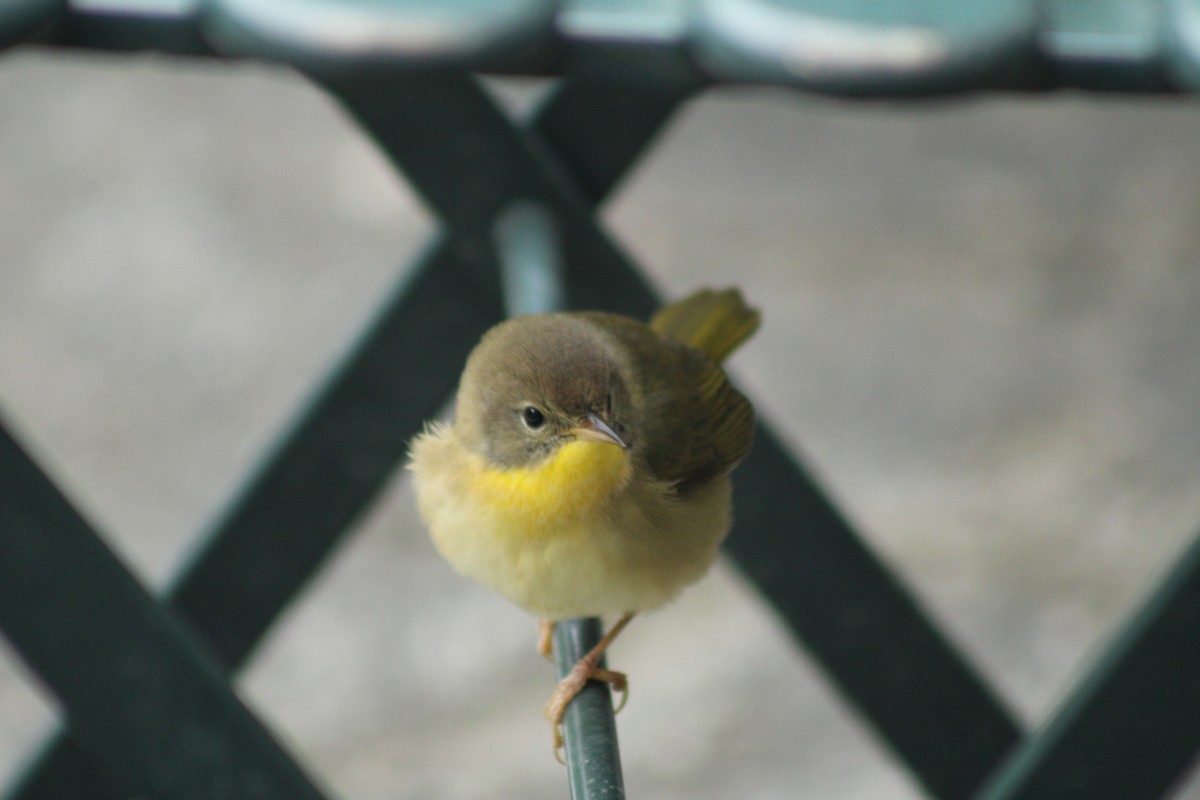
(980, 328)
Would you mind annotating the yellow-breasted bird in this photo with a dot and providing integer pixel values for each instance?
(586, 470)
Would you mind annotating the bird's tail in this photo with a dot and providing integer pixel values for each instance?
(713, 322)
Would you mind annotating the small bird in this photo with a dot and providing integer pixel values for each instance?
(586, 470)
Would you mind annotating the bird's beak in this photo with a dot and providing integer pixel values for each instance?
(597, 430)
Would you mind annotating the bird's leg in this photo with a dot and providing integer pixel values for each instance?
(585, 669)
(545, 640)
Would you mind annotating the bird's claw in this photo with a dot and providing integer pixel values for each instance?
(572, 685)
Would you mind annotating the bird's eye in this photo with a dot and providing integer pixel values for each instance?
(533, 417)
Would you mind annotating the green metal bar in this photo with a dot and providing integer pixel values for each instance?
(20, 19)
(596, 131)
(530, 268)
(458, 149)
(1132, 725)
(145, 703)
(463, 154)
(871, 637)
(589, 727)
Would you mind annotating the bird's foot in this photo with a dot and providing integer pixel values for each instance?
(586, 669)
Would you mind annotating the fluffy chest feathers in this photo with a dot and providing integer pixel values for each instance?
(574, 535)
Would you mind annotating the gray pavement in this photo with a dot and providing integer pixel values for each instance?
(980, 329)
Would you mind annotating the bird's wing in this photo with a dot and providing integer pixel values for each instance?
(718, 426)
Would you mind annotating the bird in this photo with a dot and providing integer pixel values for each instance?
(585, 471)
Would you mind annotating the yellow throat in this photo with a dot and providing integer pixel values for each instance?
(552, 495)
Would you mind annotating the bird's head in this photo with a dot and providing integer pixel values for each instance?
(535, 383)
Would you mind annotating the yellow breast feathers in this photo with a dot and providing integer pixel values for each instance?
(554, 494)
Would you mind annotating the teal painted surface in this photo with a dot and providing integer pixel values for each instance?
(866, 47)
(350, 36)
(1181, 30)
(590, 728)
(528, 248)
(887, 48)
(20, 19)
(1110, 46)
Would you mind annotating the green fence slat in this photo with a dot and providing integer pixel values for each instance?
(61, 772)
(464, 156)
(1132, 725)
(20, 19)
(589, 727)
(455, 146)
(153, 713)
(598, 130)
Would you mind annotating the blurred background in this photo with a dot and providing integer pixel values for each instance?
(981, 331)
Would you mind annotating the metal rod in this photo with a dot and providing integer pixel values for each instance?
(589, 728)
(531, 271)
